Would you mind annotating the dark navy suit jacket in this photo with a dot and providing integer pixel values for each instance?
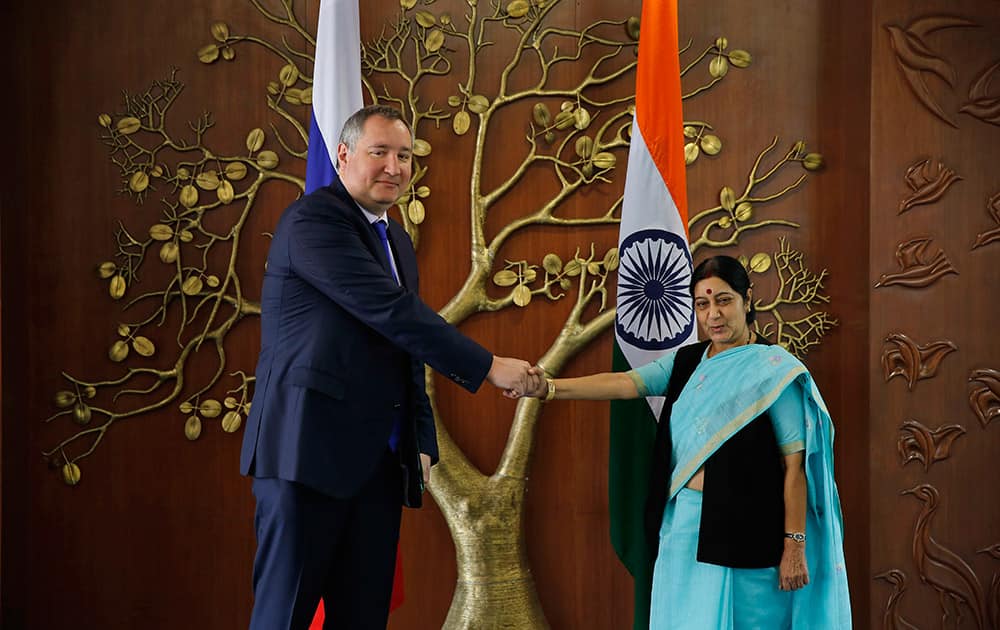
(343, 348)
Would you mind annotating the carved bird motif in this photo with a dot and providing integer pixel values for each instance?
(985, 395)
(981, 105)
(987, 237)
(891, 619)
(915, 271)
(916, 59)
(928, 184)
(913, 362)
(926, 445)
(941, 568)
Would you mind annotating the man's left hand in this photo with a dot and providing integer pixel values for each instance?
(425, 466)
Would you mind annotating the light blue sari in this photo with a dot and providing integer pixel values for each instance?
(723, 395)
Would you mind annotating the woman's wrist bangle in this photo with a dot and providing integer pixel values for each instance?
(798, 537)
(552, 389)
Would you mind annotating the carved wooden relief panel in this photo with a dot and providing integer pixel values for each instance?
(919, 443)
(921, 264)
(928, 183)
(906, 358)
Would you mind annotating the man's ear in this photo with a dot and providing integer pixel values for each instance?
(342, 153)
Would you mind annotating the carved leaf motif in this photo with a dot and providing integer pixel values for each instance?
(985, 395)
(916, 59)
(917, 271)
(927, 183)
(981, 104)
(903, 357)
(987, 237)
(941, 568)
(925, 445)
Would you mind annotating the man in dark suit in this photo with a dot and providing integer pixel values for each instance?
(340, 432)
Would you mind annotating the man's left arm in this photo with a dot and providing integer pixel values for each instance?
(423, 420)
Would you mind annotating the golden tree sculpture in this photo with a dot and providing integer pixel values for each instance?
(573, 90)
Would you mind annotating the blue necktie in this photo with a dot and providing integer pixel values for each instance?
(397, 423)
(384, 237)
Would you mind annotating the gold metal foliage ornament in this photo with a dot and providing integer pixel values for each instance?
(575, 131)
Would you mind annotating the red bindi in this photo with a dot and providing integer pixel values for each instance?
(709, 291)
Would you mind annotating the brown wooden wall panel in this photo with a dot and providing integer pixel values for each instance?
(159, 532)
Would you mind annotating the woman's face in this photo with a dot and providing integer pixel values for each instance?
(721, 312)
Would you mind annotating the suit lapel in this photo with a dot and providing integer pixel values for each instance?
(406, 258)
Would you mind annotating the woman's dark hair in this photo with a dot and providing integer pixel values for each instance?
(730, 271)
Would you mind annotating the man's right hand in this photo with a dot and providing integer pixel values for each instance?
(510, 374)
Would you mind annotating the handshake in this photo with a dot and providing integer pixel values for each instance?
(517, 378)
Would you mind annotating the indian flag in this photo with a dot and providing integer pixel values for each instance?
(336, 95)
(655, 312)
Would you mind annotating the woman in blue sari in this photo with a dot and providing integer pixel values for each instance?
(746, 519)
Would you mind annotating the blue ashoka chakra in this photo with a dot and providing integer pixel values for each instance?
(654, 299)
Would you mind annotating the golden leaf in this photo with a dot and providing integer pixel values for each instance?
(552, 264)
(212, 280)
(593, 268)
(690, 132)
(293, 96)
(415, 210)
(267, 159)
(744, 211)
(188, 196)
(550, 137)
(71, 474)
(727, 198)
(307, 96)
(106, 269)
(124, 330)
(588, 169)
(288, 75)
(611, 259)
(530, 275)
(211, 408)
(505, 278)
(479, 103)
(144, 346)
(581, 118)
(183, 173)
(104, 120)
(566, 106)
(540, 112)
(186, 407)
(584, 145)
(522, 295)
(407, 4)
(230, 402)
(721, 43)
(255, 139)
(225, 192)
(208, 54)
(421, 148)
(454, 101)
(740, 58)
(812, 162)
(725, 222)
(156, 171)
(192, 286)
(128, 125)
(117, 287)
(434, 40)
(64, 398)
(231, 422)
(220, 31)
(711, 144)
(605, 160)
(228, 53)
(565, 119)
(169, 252)
(517, 9)
(460, 123)
(161, 232)
(573, 268)
(423, 192)
(425, 18)
(118, 351)
(718, 67)
(90, 391)
(760, 263)
(186, 236)
(192, 428)
(691, 152)
(632, 28)
(207, 180)
(445, 19)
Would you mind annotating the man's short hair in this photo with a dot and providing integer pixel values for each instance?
(355, 125)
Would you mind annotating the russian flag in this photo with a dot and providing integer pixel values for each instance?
(655, 314)
(336, 95)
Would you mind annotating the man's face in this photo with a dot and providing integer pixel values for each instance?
(375, 172)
